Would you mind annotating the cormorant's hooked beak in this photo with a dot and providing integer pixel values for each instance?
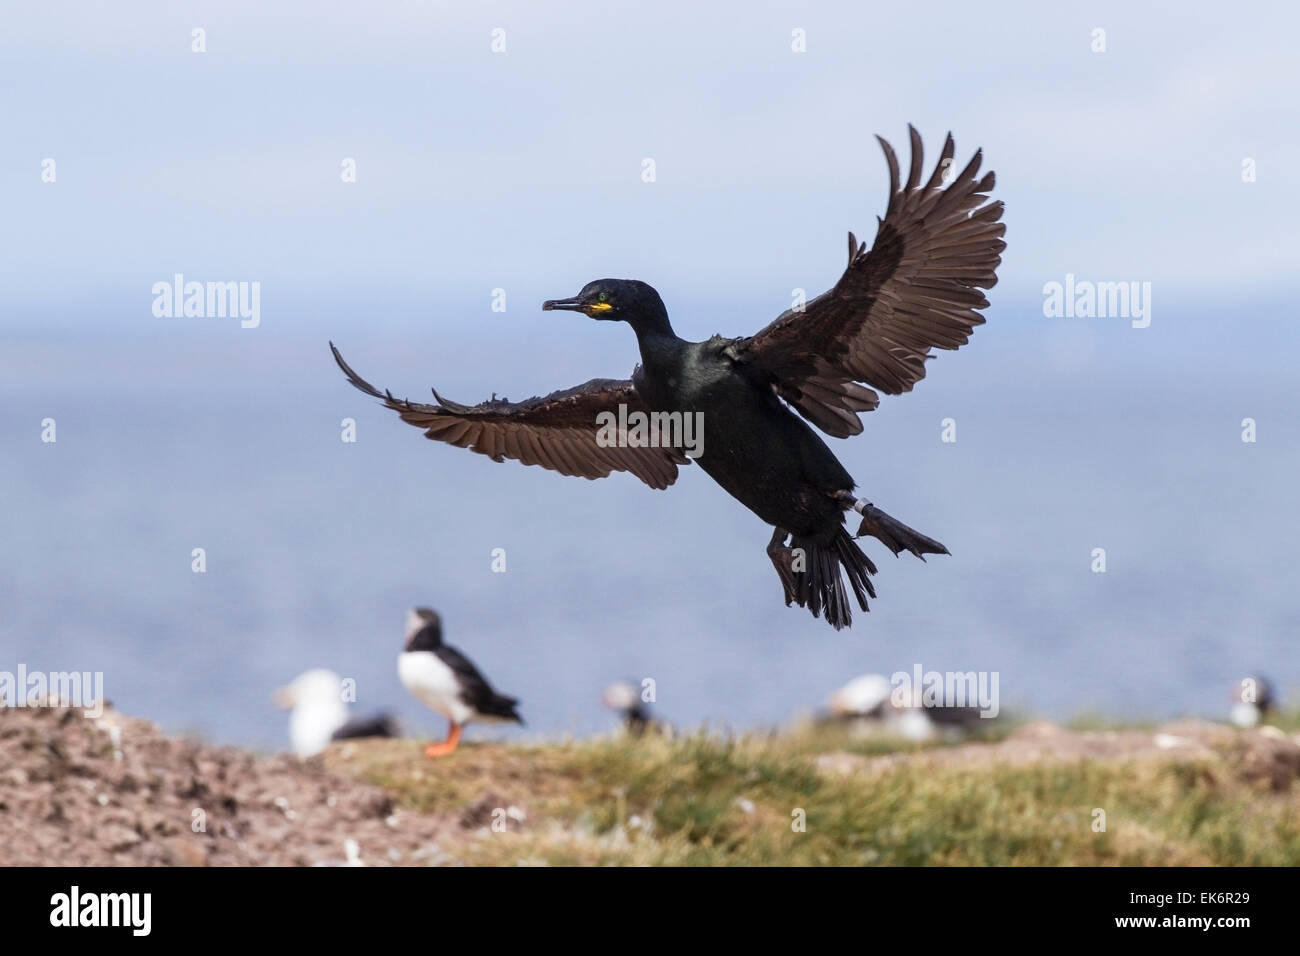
(593, 309)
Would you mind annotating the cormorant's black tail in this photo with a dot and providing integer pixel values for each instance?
(895, 535)
(819, 585)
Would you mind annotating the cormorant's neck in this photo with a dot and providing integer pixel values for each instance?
(651, 326)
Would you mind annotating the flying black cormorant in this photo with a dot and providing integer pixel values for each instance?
(918, 288)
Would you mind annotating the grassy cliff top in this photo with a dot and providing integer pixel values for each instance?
(118, 791)
(1185, 793)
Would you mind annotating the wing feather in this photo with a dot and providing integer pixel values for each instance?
(917, 289)
(557, 431)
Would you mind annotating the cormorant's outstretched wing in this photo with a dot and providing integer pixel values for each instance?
(557, 432)
(918, 288)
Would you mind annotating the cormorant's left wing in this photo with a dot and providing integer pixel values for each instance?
(559, 431)
(917, 289)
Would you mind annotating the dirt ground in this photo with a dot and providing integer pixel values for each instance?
(117, 791)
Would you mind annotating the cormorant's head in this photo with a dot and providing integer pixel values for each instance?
(627, 300)
(423, 629)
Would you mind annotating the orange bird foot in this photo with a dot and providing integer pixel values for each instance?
(445, 747)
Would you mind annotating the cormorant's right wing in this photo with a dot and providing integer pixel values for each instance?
(918, 288)
(558, 431)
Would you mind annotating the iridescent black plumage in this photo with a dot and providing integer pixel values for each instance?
(916, 289)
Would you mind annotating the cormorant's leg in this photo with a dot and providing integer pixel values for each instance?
(849, 503)
(891, 532)
(783, 560)
(447, 746)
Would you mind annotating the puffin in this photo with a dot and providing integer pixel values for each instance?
(1253, 700)
(624, 698)
(447, 682)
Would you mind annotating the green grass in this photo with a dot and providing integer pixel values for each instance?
(710, 799)
(1287, 720)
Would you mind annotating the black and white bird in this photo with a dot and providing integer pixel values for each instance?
(626, 700)
(871, 701)
(1253, 700)
(447, 682)
(319, 714)
(867, 703)
(866, 696)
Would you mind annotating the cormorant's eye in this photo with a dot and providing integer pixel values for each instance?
(603, 297)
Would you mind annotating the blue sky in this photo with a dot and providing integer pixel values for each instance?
(522, 170)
